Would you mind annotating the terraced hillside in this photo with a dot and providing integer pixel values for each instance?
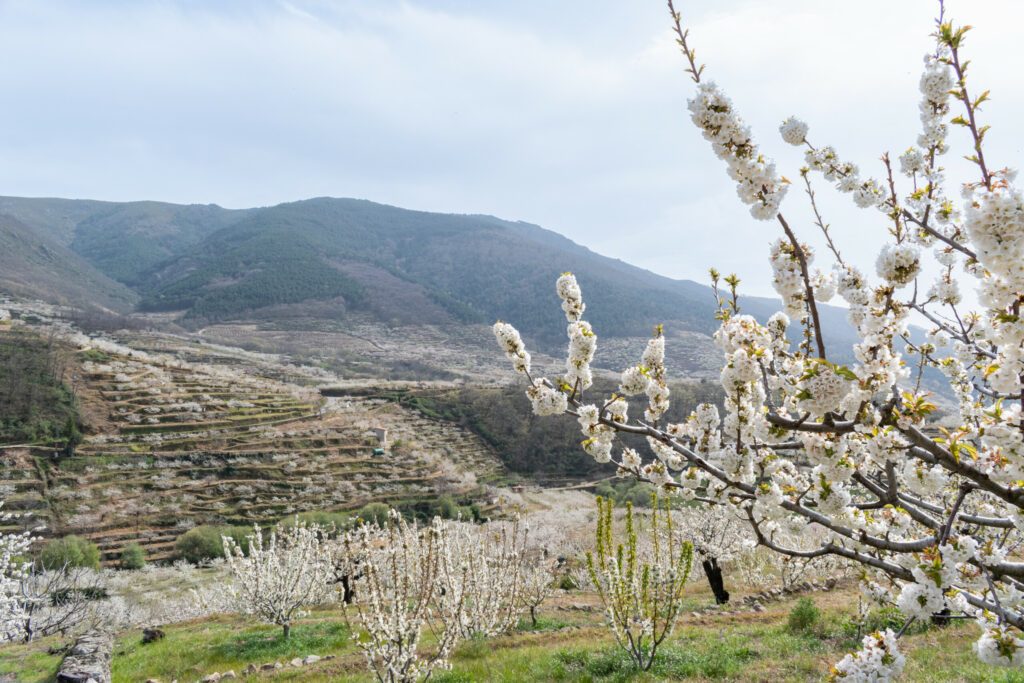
(187, 434)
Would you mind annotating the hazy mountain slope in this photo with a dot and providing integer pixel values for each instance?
(323, 258)
(475, 269)
(122, 239)
(127, 240)
(54, 218)
(33, 265)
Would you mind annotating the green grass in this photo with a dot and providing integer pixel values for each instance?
(712, 647)
(191, 651)
(30, 663)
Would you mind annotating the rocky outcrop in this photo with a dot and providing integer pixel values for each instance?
(88, 660)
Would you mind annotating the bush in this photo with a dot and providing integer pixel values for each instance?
(567, 583)
(66, 596)
(70, 551)
(203, 543)
(803, 617)
(376, 513)
(133, 557)
(323, 518)
(447, 508)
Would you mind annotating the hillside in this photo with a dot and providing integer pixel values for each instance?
(178, 434)
(320, 261)
(36, 266)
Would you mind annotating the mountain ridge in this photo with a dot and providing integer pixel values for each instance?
(401, 266)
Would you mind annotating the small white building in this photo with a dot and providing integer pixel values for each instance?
(381, 434)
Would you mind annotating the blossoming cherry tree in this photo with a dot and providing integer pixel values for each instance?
(932, 512)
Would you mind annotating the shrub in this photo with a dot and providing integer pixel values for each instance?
(70, 551)
(376, 513)
(322, 518)
(133, 557)
(447, 508)
(568, 583)
(803, 617)
(69, 596)
(203, 543)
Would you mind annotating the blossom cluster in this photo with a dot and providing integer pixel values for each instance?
(757, 183)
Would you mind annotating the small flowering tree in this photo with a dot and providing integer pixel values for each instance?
(932, 512)
(717, 536)
(538, 579)
(14, 570)
(482, 570)
(399, 596)
(281, 575)
(641, 585)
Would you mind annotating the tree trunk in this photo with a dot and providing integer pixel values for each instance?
(287, 630)
(533, 615)
(348, 590)
(714, 574)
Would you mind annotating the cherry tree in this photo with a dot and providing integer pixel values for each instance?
(14, 570)
(281, 574)
(483, 569)
(401, 593)
(931, 512)
(538, 581)
(640, 584)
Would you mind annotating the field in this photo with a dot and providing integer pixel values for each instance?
(568, 644)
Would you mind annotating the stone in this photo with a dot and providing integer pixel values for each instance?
(328, 658)
(311, 659)
(269, 667)
(212, 678)
(297, 662)
(151, 635)
(228, 674)
(251, 669)
(757, 607)
(88, 659)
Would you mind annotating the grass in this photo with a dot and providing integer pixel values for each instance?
(31, 663)
(189, 652)
(573, 647)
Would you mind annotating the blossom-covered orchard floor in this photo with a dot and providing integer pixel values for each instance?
(569, 644)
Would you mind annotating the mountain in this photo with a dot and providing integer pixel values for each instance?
(329, 257)
(34, 265)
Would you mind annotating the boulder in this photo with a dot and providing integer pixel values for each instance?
(151, 635)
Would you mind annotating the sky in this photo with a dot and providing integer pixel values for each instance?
(569, 114)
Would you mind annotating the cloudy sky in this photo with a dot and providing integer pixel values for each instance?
(568, 114)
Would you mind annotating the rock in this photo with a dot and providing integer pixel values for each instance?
(88, 660)
(311, 659)
(228, 674)
(212, 678)
(297, 662)
(757, 607)
(269, 667)
(151, 635)
(251, 669)
(328, 658)
(152, 680)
